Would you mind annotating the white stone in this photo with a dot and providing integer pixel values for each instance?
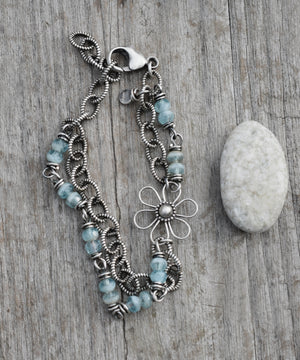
(254, 177)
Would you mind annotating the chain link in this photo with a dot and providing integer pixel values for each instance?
(113, 257)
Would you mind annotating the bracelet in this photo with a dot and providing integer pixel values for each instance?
(100, 230)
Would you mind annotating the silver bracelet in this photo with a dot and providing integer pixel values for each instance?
(100, 230)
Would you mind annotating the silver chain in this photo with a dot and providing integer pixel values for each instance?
(112, 259)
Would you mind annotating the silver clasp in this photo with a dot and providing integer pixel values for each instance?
(135, 61)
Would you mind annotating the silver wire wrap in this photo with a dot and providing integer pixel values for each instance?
(112, 260)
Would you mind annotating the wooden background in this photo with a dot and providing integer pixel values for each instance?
(223, 62)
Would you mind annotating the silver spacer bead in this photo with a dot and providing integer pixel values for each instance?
(174, 147)
(168, 125)
(52, 165)
(63, 136)
(81, 204)
(125, 308)
(175, 178)
(97, 255)
(104, 275)
(88, 225)
(159, 96)
(158, 254)
(58, 184)
(118, 310)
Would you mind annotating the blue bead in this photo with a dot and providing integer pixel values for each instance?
(90, 234)
(134, 304)
(166, 117)
(111, 297)
(174, 156)
(60, 145)
(158, 264)
(54, 156)
(107, 285)
(175, 169)
(73, 199)
(93, 247)
(65, 190)
(146, 299)
(158, 276)
(162, 105)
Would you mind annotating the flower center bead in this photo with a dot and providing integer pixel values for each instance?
(165, 211)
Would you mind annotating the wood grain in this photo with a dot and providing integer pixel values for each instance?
(222, 62)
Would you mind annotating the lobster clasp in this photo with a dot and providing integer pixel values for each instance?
(134, 60)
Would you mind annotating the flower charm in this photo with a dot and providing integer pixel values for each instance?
(165, 211)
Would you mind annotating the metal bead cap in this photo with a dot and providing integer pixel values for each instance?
(165, 210)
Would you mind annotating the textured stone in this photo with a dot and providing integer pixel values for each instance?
(254, 177)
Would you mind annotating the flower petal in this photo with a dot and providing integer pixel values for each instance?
(165, 197)
(155, 192)
(178, 236)
(186, 201)
(152, 231)
(152, 237)
(141, 226)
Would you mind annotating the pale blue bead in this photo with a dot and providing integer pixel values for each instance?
(166, 117)
(134, 304)
(174, 156)
(65, 190)
(176, 168)
(162, 105)
(158, 276)
(93, 247)
(146, 299)
(60, 145)
(90, 234)
(54, 156)
(111, 297)
(158, 264)
(73, 199)
(107, 285)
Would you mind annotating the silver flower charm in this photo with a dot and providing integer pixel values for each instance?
(165, 212)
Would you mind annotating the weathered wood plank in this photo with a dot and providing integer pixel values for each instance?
(222, 62)
(261, 84)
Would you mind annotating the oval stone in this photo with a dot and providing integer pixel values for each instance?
(254, 177)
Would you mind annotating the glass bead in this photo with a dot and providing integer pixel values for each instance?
(166, 117)
(176, 168)
(174, 156)
(107, 285)
(60, 145)
(73, 199)
(93, 247)
(65, 190)
(162, 105)
(158, 264)
(54, 156)
(146, 299)
(134, 304)
(90, 234)
(111, 297)
(158, 276)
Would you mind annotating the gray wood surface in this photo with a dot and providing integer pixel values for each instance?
(223, 62)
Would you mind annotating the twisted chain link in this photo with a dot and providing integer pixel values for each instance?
(113, 256)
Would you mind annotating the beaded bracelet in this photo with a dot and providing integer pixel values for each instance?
(100, 230)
